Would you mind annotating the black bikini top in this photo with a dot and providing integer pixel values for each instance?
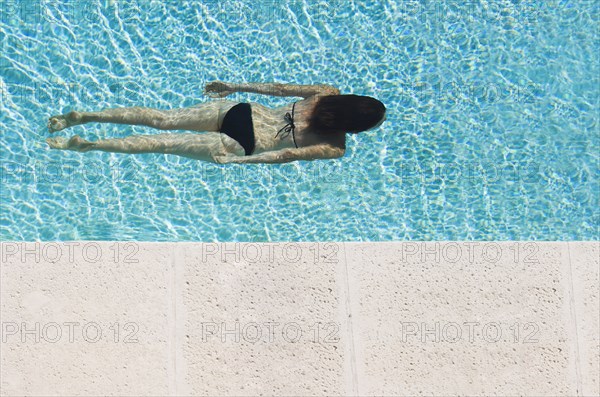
(289, 127)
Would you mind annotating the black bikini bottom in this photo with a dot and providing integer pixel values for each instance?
(237, 124)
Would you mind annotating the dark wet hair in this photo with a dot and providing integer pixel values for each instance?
(346, 113)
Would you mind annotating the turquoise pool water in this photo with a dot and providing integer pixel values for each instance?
(492, 129)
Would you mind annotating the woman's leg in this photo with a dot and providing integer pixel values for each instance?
(196, 146)
(201, 117)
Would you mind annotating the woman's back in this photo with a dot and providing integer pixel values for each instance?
(269, 122)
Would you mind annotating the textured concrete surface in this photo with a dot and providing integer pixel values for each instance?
(267, 326)
(398, 318)
(585, 268)
(83, 323)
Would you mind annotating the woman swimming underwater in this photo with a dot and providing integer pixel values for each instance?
(309, 129)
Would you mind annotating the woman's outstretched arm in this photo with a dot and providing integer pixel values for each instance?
(220, 89)
(314, 152)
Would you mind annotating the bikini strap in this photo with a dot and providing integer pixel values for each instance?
(289, 127)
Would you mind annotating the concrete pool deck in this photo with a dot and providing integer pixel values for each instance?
(398, 318)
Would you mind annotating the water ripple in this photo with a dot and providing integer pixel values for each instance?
(492, 129)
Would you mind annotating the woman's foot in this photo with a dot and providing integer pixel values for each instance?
(58, 123)
(76, 143)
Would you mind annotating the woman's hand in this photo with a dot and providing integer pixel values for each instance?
(276, 157)
(220, 159)
(218, 89)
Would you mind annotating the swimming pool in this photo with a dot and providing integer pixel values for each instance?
(491, 133)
